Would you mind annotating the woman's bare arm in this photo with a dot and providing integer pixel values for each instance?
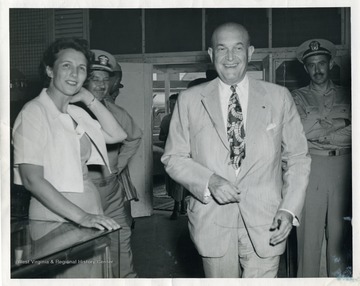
(33, 180)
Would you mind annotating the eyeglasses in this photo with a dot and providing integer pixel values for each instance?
(98, 80)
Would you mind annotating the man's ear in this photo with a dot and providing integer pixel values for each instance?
(331, 64)
(115, 85)
(49, 72)
(251, 50)
(210, 52)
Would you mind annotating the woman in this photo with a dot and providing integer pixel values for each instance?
(55, 140)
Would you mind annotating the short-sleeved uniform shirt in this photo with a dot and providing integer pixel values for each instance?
(314, 106)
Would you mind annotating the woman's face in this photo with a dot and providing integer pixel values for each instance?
(69, 72)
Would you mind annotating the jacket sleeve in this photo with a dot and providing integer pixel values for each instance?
(295, 158)
(177, 158)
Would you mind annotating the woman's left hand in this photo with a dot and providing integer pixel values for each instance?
(83, 95)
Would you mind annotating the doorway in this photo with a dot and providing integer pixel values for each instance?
(167, 81)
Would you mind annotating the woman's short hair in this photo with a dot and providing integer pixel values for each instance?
(51, 53)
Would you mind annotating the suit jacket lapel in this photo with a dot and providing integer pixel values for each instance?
(211, 103)
(257, 111)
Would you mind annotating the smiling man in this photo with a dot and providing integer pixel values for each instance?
(114, 187)
(237, 144)
(325, 113)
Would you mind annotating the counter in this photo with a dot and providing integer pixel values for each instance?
(41, 249)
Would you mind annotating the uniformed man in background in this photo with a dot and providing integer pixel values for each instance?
(325, 112)
(116, 189)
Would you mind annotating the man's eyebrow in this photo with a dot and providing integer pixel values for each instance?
(236, 44)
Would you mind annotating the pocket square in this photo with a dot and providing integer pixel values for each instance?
(270, 126)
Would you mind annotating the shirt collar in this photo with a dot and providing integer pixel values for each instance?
(242, 86)
(331, 87)
(51, 107)
(49, 104)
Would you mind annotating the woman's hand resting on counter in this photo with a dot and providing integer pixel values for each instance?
(99, 221)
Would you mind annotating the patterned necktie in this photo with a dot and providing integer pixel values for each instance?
(235, 130)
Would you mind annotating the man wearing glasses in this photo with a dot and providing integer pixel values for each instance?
(116, 189)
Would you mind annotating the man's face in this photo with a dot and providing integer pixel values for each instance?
(172, 105)
(318, 67)
(230, 53)
(98, 84)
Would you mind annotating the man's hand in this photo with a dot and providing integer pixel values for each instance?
(222, 190)
(281, 226)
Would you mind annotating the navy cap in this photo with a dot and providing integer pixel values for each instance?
(315, 47)
(111, 64)
(101, 61)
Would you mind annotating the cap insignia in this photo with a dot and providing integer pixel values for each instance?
(314, 46)
(104, 60)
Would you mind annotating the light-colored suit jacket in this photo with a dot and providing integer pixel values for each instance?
(273, 175)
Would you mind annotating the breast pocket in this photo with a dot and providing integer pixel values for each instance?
(311, 111)
(341, 111)
(310, 118)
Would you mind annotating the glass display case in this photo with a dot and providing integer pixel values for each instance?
(42, 249)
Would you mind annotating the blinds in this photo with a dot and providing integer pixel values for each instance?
(71, 23)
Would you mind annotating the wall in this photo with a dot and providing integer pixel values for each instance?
(30, 34)
(136, 98)
(144, 31)
(182, 30)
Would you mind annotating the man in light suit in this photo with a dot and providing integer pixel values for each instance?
(244, 203)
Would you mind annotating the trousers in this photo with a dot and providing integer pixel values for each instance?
(240, 260)
(117, 207)
(327, 210)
